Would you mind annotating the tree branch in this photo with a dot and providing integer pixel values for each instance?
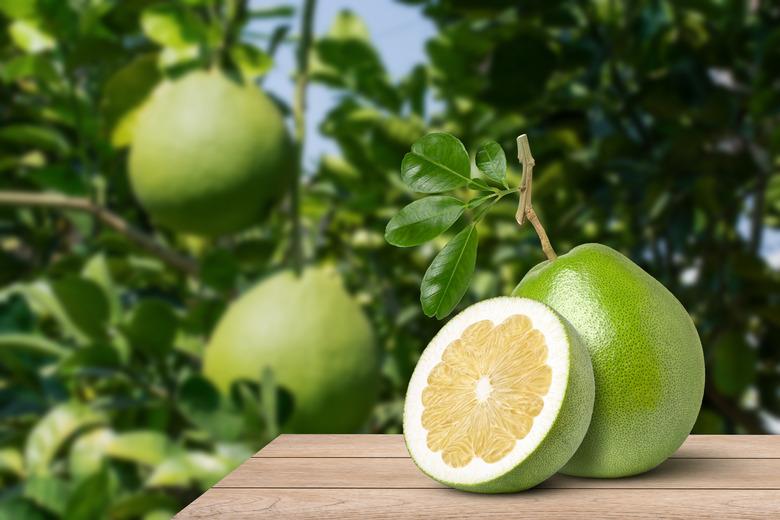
(110, 219)
(299, 111)
(525, 208)
(761, 158)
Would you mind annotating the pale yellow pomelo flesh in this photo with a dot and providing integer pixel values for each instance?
(500, 399)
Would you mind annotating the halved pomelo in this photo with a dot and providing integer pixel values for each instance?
(500, 399)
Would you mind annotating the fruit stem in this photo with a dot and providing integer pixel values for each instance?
(107, 217)
(299, 113)
(525, 207)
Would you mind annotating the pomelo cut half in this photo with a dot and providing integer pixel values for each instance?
(500, 399)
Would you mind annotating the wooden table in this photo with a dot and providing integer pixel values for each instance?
(372, 476)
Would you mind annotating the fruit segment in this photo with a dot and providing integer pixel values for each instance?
(483, 396)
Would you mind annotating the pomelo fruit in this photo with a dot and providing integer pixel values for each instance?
(647, 357)
(313, 336)
(500, 399)
(209, 154)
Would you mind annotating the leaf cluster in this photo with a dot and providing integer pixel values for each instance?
(437, 163)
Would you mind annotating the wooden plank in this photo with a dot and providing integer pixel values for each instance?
(447, 503)
(372, 446)
(402, 473)
(730, 447)
(335, 445)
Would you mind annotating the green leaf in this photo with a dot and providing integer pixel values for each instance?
(348, 26)
(97, 270)
(279, 11)
(32, 343)
(90, 499)
(29, 66)
(173, 471)
(208, 469)
(447, 279)
(11, 462)
(182, 468)
(14, 507)
(423, 220)
(47, 492)
(135, 505)
(35, 137)
(28, 36)
(88, 452)
(200, 402)
(18, 8)
(172, 26)
(125, 94)
(492, 162)
(43, 302)
(220, 269)
(52, 431)
(142, 447)
(153, 326)
(734, 364)
(251, 61)
(709, 422)
(269, 406)
(438, 162)
(84, 303)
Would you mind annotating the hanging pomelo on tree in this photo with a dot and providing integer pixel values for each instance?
(301, 323)
(209, 154)
(314, 337)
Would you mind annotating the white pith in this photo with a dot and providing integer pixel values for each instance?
(496, 310)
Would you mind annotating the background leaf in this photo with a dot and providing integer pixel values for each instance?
(251, 61)
(52, 431)
(29, 36)
(447, 279)
(84, 303)
(423, 220)
(172, 26)
(90, 499)
(144, 447)
(124, 95)
(152, 326)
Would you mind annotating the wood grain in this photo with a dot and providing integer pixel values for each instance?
(372, 446)
(372, 476)
(448, 503)
(402, 473)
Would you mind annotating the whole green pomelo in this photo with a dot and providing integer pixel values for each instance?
(313, 336)
(209, 154)
(647, 358)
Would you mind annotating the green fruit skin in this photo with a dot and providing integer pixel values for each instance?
(647, 358)
(564, 436)
(209, 154)
(313, 336)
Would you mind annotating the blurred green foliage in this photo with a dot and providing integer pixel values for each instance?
(655, 131)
